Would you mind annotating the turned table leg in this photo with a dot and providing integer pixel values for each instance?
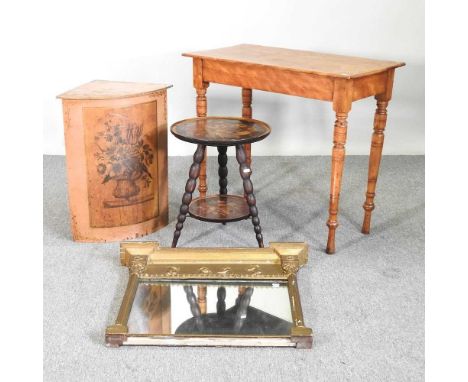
(189, 188)
(221, 304)
(247, 113)
(242, 303)
(201, 291)
(338, 156)
(222, 170)
(245, 172)
(380, 120)
(201, 112)
(194, 308)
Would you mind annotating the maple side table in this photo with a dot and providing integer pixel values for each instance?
(327, 77)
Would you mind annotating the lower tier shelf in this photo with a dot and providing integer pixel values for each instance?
(219, 208)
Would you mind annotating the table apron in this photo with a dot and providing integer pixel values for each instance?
(270, 79)
(370, 85)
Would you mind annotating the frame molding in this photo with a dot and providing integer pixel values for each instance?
(147, 261)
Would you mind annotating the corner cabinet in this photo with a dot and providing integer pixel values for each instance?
(116, 152)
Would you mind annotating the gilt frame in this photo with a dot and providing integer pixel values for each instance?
(147, 261)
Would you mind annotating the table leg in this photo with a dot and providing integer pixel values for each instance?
(247, 113)
(201, 112)
(338, 156)
(194, 307)
(245, 172)
(222, 171)
(221, 304)
(242, 306)
(194, 173)
(380, 120)
(201, 291)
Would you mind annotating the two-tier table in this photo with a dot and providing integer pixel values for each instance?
(220, 132)
(327, 77)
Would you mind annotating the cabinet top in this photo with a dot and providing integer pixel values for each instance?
(332, 65)
(101, 89)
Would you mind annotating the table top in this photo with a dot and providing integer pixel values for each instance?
(220, 131)
(101, 89)
(298, 60)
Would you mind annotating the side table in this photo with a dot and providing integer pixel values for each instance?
(327, 77)
(220, 132)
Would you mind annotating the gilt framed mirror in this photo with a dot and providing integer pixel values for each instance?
(211, 297)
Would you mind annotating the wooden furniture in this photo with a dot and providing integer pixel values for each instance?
(338, 79)
(157, 306)
(116, 149)
(270, 271)
(238, 319)
(220, 132)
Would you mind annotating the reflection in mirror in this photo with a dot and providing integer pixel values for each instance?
(211, 309)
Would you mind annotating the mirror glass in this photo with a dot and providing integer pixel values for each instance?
(214, 308)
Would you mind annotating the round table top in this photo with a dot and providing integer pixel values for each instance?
(220, 131)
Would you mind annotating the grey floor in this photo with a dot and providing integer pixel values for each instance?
(365, 304)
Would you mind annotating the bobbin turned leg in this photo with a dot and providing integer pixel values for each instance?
(189, 188)
(222, 171)
(194, 308)
(245, 172)
(221, 304)
(380, 120)
(242, 302)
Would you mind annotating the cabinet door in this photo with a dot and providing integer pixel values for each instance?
(121, 145)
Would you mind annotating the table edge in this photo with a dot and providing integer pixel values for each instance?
(396, 64)
(215, 143)
(64, 95)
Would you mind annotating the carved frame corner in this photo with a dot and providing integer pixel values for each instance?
(132, 249)
(293, 255)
